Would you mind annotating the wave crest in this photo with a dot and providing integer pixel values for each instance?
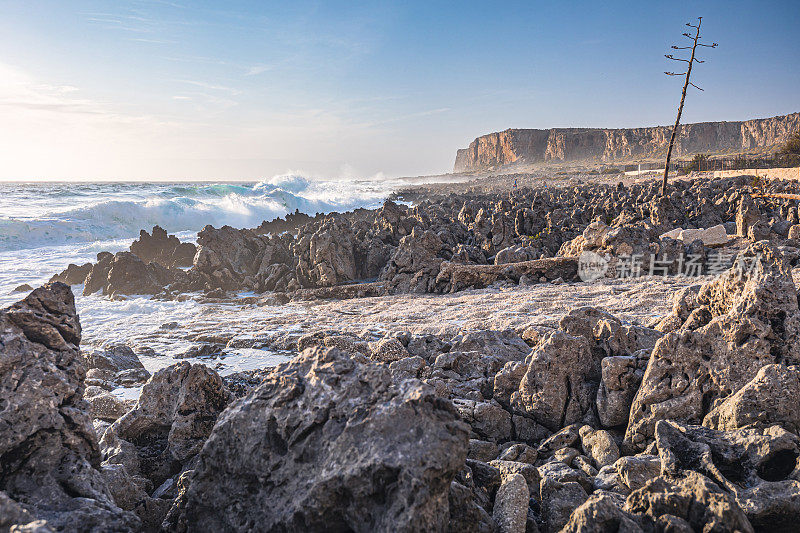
(114, 211)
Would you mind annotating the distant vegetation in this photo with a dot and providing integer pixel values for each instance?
(790, 152)
(699, 162)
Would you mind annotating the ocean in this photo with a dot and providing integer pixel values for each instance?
(46, 226)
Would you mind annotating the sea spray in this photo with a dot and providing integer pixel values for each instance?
(41, 215)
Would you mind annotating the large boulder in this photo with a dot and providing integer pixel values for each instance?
(560, 385)
(226, 257)
(73, 274)
(166, 428)
(167, 250)
(415, 264)
(327, 442)
(769, 398)
(326, 257)
(687, 502)
(750, 319)
(48, 448)
(755, 467)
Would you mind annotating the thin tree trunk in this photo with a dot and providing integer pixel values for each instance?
(680, 110)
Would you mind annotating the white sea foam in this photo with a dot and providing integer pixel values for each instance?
(46, 226)
(33, 216)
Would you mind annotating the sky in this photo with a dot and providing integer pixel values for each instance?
(175, 89)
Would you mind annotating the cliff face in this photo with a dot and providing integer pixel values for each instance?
(622, 145)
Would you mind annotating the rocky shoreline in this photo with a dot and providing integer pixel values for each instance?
(456, 372)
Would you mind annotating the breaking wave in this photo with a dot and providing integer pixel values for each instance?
(52, 215)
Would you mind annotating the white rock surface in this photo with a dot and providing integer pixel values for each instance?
(713, 236)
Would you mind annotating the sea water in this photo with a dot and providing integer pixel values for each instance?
(46, 226)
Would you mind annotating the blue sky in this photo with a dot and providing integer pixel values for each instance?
(173, 89)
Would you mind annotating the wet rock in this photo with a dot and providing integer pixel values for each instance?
(326, 257)
(329, 426)
(23, 288)
(114, 358)
(127, 274)
(560, 385)
(97, 277)
(162, 248)
(51, 462)
(73, 274)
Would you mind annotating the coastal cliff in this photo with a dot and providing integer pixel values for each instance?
(559, 145)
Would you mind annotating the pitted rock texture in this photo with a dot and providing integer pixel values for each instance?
(49, 457)
(329, 443)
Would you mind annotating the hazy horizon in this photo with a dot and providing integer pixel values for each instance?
(154, 90)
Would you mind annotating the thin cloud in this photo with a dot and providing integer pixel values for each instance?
(257, 69)
(213, 87)
(154, 41)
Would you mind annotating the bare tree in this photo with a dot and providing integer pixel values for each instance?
(690, 62)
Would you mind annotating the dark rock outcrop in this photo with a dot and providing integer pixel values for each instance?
(49, 457)
(166, 250)
(328, 443)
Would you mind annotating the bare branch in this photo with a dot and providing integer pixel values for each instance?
(669, 56)
(691, 61)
